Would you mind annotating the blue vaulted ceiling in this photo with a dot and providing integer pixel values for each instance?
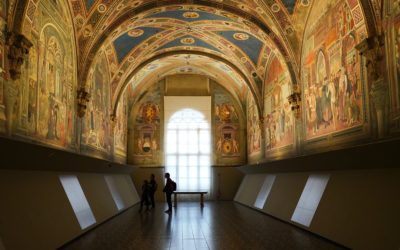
(179, 14)
(252, 46)
(290, 4)
(125, 43)
(89, 4)
(197, 43)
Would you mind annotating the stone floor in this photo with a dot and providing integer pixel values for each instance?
(219, 225)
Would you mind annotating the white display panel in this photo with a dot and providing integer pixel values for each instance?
(309, 199)
(112, 186)
(78, 200)
(264, 191)
(240, 190)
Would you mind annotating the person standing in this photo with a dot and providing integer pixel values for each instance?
(145, 196)
(168, 190)
(153, 189)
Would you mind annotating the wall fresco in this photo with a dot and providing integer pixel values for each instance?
(146, 118)
(331, 75)
(253, 128)
(394, 61)
(2, 66)
(96, 131)
(228, 136)
(120, 129)
(278, 118)
(46, 101)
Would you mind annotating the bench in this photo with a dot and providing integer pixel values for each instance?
(201, 193)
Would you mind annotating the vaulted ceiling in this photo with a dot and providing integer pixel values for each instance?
(238, 35)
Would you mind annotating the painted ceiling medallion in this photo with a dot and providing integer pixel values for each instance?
(289, 30)
(305, 2)
(275, 7)
(191, 15)
(101, 8)
(135, 33)
(187, 40)
(241, 36)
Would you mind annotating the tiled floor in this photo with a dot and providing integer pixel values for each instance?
(219, 225)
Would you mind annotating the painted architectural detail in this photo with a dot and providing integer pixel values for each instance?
(333, 84)
(146, 128)
(18, 46)
(227, 131)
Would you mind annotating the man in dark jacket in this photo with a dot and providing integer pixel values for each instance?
(168, 190)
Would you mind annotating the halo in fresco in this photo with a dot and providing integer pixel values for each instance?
(136, 33)
(187, 40)
(241, 36)
(191, 15)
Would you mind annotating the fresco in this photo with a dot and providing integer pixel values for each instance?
(395, 61)
(46, 104)
(278, 118)
(331, 75)
(146, 135)
(253, 128)
(96, 132)
(120, 129)
(227, 131)
(2, 45)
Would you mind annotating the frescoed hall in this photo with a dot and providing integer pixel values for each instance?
(279, 120)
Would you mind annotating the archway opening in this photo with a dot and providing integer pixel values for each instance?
(188, 150)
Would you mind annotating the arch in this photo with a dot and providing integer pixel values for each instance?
(252, 87)
(96, 45)
(188, 147)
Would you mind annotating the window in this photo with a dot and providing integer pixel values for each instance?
(188, 150)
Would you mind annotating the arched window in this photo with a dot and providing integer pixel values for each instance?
(188, 150)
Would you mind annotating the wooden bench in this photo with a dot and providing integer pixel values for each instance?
(201, 193)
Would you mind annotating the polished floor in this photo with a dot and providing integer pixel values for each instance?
(219, 225)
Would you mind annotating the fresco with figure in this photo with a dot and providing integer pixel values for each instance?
(229, 142)
(96, 129)
(253, 129)
(393, 41)
(120, 129)
(2, 70)
(45, 106)
(278, 117)
(331, 74)
(146, 118)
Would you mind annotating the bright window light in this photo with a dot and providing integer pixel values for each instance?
(188, 150)
(78, 201)
(309, 199)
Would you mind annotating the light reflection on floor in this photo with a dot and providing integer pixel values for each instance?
(219, 225)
